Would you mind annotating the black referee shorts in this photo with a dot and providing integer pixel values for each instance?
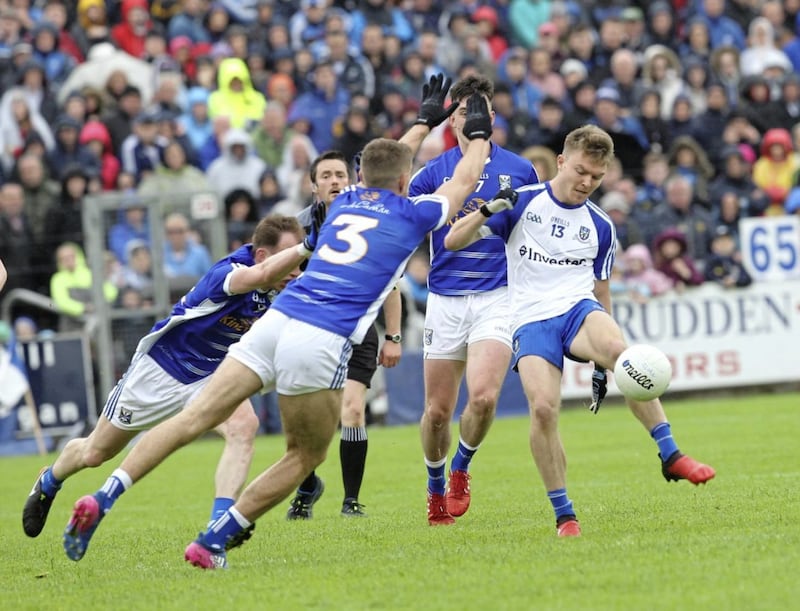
(364, 359)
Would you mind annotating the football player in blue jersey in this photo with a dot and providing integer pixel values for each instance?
(174, 361)
(302, 344)
(466, 318)
(560, 248)
(330, 174)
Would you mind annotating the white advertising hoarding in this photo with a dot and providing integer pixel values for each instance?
(715, 338)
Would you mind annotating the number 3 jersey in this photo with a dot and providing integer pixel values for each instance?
(481, 266)
(554, 251)
(362, 250)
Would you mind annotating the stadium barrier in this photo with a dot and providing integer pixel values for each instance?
(715, 338)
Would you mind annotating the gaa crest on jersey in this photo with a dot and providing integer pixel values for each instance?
(125, 415)
(504, 181)
(428, 338)
(583, 233)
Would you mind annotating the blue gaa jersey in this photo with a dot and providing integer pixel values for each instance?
(362, 250)
(192, 341)
(481, 266)
(555, 251)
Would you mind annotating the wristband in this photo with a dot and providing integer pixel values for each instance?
(396, 338)
(485, 211)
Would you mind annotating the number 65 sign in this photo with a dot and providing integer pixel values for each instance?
(771, 247)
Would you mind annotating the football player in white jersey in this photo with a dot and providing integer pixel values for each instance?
(560, 249)
(302, 344)
(175, 360)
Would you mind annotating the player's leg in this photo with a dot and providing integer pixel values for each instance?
(353, 443)
(142, 397)
(487, 365)
(232, 383)
(539, 354)
(445, 354)
(102, 444)
(239, 432)
(488, 355)
(310, 365)
(442, 379)
(599, 339)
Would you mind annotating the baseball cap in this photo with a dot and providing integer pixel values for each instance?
(608, 94)
(614, 200)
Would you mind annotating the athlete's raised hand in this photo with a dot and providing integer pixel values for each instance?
(478, 122)
(318, 212)
(431, 110)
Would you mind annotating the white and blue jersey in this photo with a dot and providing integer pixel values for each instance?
(362, 250)
(481, 266)
(555, 252)
(192, 341)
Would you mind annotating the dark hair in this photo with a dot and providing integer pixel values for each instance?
(327, 155)
(469, 85)
(268, 232)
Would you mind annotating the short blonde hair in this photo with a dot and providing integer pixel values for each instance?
(591, 140)
(383, 162)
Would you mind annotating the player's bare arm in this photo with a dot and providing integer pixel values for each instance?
(3, 275)
(469, 229)
(477, 129)
(392, 313)
(268, 273)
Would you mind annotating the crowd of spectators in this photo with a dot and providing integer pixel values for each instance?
(701, 97)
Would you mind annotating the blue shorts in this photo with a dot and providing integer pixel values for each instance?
(551, 338)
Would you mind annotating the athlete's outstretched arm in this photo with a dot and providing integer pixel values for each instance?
(431, 111)
(478, 129)
(469, 228)
(466, 230)
(269, 272)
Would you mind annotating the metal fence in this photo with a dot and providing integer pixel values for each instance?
(120, 324)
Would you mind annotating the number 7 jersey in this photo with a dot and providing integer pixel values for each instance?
(362, 250)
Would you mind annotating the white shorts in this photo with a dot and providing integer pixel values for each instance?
(292, 356)
(146, 395)
(452, 323)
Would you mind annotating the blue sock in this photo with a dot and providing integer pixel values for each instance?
(50, 485)
(561, 503)
(115, 485)
(221, 505)
(436, 480)
(226, 526)
(662, 433)
(463, 456)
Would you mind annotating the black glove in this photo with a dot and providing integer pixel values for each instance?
(431, 110)
(599, 388)
(508, 194)
(318, 212)
(478, 123)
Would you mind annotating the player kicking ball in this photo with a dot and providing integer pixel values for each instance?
(560, 249)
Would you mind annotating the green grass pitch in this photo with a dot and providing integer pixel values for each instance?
(646, 544)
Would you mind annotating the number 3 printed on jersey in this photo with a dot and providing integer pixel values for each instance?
(353, 226)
